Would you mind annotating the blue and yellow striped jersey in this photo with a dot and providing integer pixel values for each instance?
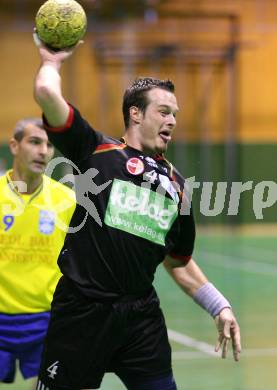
(32, 232)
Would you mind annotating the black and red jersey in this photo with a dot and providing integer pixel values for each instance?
(127, 217)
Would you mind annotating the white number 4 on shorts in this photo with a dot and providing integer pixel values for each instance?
(53, 370)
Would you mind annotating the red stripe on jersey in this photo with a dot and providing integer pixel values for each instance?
(108, 147)
(185, 259)
(159, 157)
(60, 129)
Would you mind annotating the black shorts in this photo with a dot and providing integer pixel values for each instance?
(85, 339)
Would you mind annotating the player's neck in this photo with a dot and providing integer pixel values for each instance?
(30, 182)
(134, 142)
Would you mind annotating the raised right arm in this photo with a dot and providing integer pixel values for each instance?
(47, 88)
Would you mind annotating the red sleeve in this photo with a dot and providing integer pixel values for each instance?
(185, 259)
(60, 129)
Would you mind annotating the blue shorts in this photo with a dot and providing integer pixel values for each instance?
(21, 338)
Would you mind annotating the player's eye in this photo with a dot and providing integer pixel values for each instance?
(34, 141)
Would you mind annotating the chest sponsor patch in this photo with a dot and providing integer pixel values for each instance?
(134, 166)
(46, 221)
(140, 211)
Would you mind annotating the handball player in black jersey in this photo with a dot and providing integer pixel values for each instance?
(105, 314)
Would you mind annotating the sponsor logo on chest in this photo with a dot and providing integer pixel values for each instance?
(140, 211)
(135, 166)
(46, 221)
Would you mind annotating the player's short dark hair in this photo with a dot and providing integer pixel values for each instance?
(18, 131)
(136, 94)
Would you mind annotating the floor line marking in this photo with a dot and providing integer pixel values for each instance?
(204, 348)
(226, 261)
(264, 252)
(191, 342)
(249, 353)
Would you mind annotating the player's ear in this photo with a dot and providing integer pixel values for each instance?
(13, 146)
(135, 114)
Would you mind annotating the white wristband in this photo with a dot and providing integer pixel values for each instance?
(210, 299)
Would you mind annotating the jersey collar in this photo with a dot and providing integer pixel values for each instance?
(13, 188)
(157, 157)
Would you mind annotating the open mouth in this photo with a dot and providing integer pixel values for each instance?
(40, 163)
(165, 135)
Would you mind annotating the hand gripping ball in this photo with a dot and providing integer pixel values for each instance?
(61, 23)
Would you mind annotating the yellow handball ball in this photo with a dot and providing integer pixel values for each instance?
(61, 23)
